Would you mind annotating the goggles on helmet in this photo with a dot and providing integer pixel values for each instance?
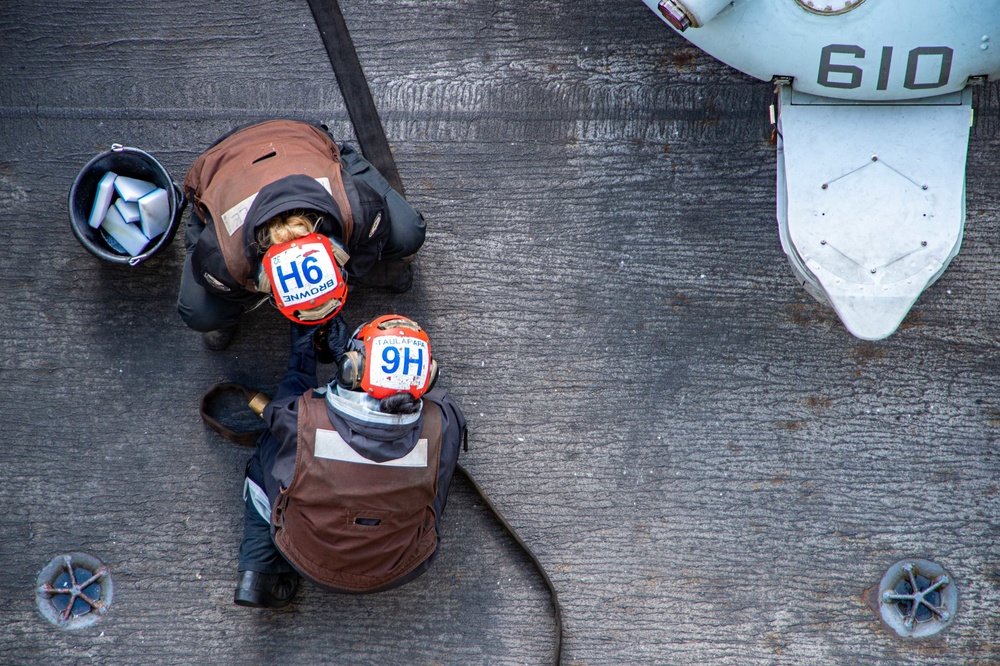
(389, 355)
(306, 283)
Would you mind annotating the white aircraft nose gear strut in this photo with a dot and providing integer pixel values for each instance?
(871, 199)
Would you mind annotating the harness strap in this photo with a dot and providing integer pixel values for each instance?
(354, 89)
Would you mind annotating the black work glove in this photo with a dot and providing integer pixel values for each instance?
(332, 339)
(302, 357)
(302, 337)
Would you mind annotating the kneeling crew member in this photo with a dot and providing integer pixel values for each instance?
(273, 182)
(349, 482)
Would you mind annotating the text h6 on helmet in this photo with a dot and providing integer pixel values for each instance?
(388, 355)
(306, 283)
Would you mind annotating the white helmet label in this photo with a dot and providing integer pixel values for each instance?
(302, 273)
(398, 362)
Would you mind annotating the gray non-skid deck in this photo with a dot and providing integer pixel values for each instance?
(711, 468)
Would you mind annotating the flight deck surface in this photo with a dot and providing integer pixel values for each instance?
(711, 468)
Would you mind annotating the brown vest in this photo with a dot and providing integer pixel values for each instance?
(224, 178)
(326, 519)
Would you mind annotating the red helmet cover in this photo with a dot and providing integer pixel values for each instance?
(397, 357)
(304, 275)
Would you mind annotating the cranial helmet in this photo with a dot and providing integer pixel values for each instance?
(305, 279)
(388, 355)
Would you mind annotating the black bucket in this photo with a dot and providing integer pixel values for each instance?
(133, 163)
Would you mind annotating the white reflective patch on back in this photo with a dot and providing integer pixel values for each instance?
(234, 218)
(237, 215)
(325, 182)
(331, 446)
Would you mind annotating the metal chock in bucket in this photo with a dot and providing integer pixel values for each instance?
(131, 163)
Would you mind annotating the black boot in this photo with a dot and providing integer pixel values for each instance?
(220, 338)
(260, 590)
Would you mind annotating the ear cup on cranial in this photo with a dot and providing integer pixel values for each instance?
(351, 370)
(433, 375)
